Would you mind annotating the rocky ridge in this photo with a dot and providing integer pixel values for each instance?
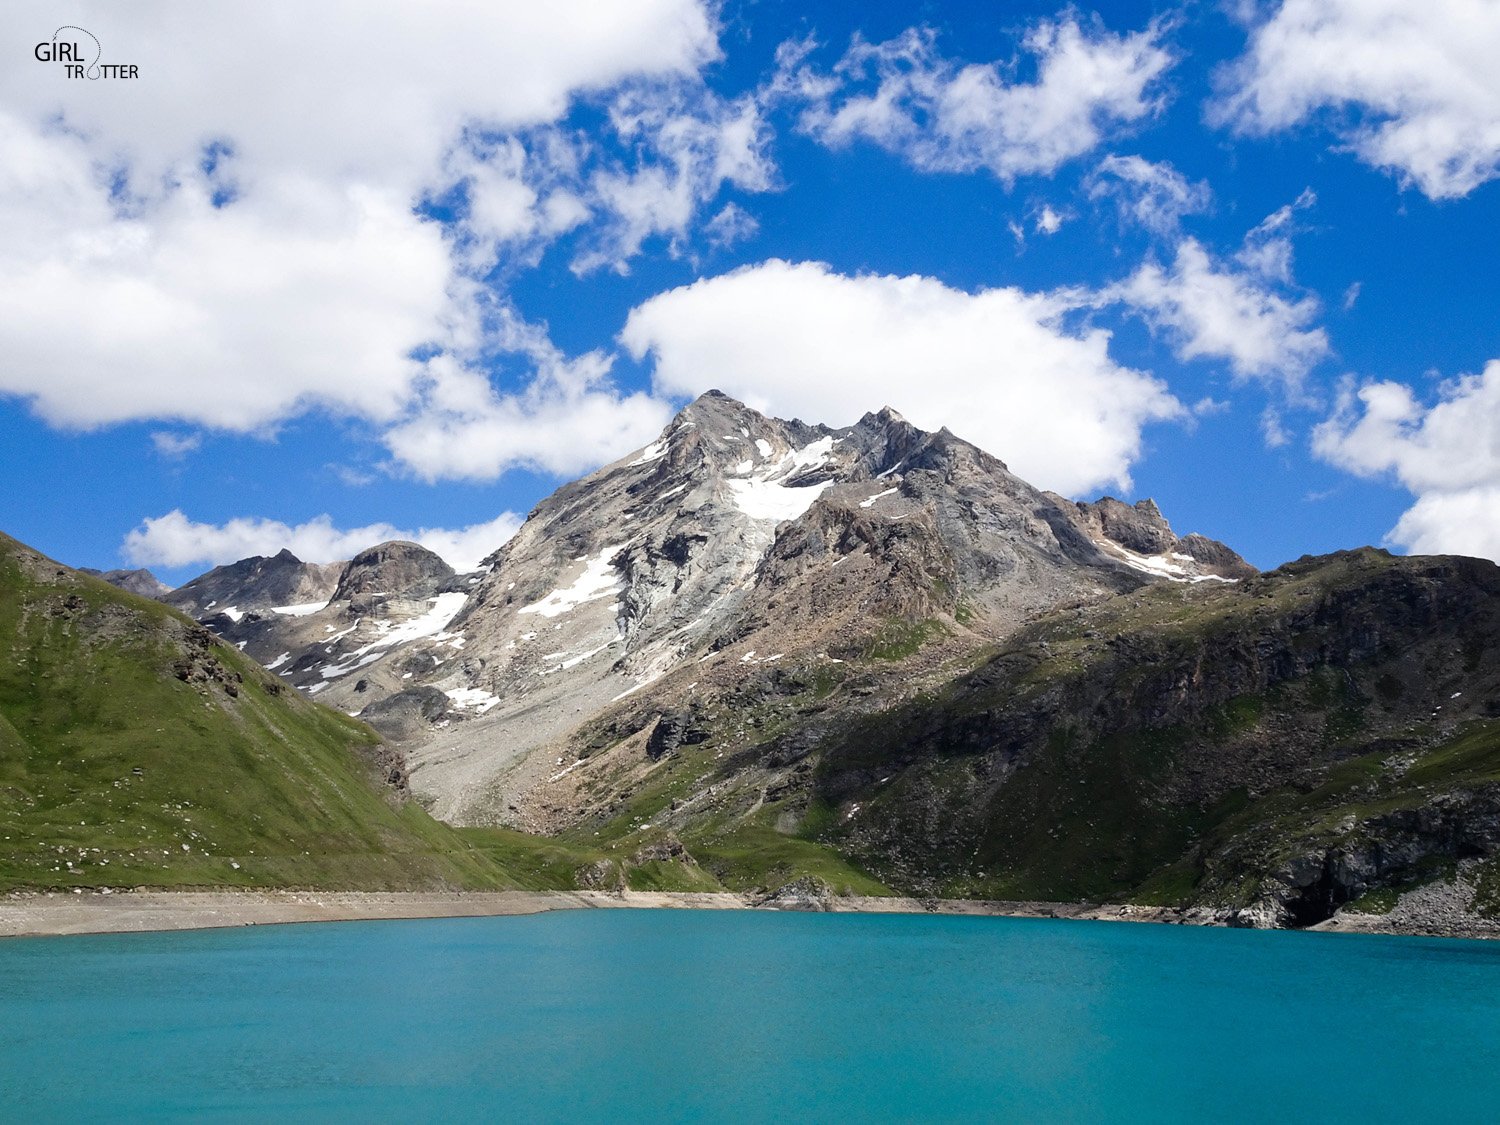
(732, 546)
(141, 582)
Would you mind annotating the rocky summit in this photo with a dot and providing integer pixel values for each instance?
(733, 548)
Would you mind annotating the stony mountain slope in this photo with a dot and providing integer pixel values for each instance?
(1325, 734)
(733, 544)
(254, 584)
(141, 582)
(137, 750)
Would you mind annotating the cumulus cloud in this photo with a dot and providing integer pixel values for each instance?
(1246, 311)
(569, 418)
(1411, 88)
(998, 366)
(944, 116)
(174, 540)
(298, 294)
(208, 246)
(1151, 195)
(346, 90)
(1447, 454)
(663, 154)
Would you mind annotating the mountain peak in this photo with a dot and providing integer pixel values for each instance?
(396, 569)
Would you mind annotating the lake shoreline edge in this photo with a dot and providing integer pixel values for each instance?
(60, 913)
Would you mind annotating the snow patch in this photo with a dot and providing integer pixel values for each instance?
(476, 698)
(652, 452)
(764, 446)
(870, 503)
(1160, 566)
(233, 613)
(814, 453)
(278, 662)
(598, 580)
(356, 662)
(766, 500)
(327, 642)
(444, 609)
(302, 609)
(564, 772)
(574, 661)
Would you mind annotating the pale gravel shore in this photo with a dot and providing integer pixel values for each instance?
(25, 915)
(56, 913)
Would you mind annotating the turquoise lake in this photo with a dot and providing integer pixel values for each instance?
(618, 1015)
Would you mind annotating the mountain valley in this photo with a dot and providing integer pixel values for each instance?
(776, 657)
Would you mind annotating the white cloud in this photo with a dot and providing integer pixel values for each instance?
(1207, 406)
(697, 143)
(665, 153)
(1446, 454)
(731, 225)
(230, 239)
(1452, 523)
(347, 90)
(1244, 312)
(942, 116)
(1267, 249)
(1048, 221)
(569, 418)
(1411, 88)
(173, 540)
(174, 447)
(299, 294)
(997, 366)
(1272, 432)
(1154, 196)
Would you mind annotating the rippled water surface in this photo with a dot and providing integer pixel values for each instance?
(673, 1015)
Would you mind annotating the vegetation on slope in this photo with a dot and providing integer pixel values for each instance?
(1298, 741)
(136, 750)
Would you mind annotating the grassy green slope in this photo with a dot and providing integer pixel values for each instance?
(135, 750)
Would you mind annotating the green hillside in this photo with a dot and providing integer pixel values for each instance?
(138, 750)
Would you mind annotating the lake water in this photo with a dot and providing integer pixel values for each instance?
(670, 1015)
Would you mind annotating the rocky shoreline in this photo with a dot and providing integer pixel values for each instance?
(30, 914)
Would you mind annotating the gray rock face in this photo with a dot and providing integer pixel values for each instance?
(1140, 536)
(393, 569)
(672, 731)
(141, 582)
(256, 583)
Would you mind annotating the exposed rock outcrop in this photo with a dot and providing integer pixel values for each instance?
(141, 582)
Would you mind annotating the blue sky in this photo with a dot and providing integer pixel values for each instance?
(1234, 256)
